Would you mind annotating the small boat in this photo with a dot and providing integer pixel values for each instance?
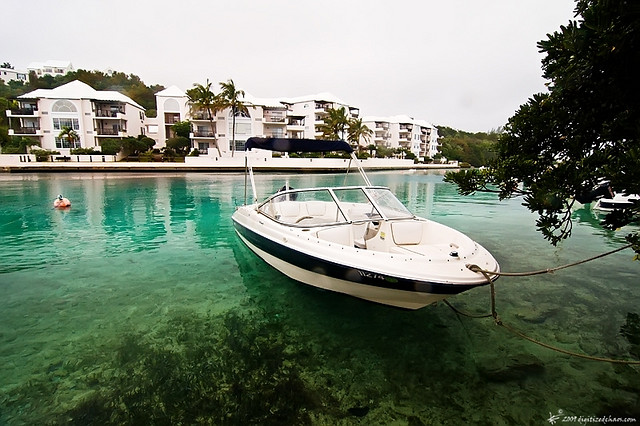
(617, 202)
(357, 240)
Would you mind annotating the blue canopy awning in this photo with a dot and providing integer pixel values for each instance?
(297, 145)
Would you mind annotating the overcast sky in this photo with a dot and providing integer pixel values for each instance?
(466, 64)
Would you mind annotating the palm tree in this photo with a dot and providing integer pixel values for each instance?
(201, 99)
(231, 98)
(357, 129)
(335, 123)
(70, 135)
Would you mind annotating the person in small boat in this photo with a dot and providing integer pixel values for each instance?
(292, 197)
(61, 202)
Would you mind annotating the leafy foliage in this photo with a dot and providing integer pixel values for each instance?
(562, 144)
(43, 155)
(180, 144)
(202, 100)
(231, 97)
(111, 146)
(129, 146)
(335, 124)
(84, 151)
(477, 149)
(16, 144)
(357, 130)
(182, 128)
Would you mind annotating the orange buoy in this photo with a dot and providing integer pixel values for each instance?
(61, 202)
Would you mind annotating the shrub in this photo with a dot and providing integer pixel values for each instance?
(168, 154)
(84, 151)
(145, 157)
(43, 154)
(111, 146)
(179, 144)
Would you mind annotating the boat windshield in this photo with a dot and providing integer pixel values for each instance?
(390, 206)
(329, 206)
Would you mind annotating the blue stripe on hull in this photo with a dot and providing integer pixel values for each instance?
(347, 273)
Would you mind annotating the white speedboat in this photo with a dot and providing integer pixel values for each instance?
(357, 240)
(617, 202)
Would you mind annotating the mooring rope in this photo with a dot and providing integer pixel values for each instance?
(498, 320)
(476, 268)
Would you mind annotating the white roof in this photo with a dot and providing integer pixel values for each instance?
(397, 119)
(49, 63)
(79, 90)
(176, 92)
(172, 92)
(319, 97)
(265, 102)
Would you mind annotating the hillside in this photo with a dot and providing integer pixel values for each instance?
(476, 149)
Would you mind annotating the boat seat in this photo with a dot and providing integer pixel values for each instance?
(337, 234)
(287, 211)
(316, 208)
(407, 233)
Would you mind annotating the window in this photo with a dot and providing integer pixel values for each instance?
(66, 143)
(60, 123)
(63, 106)
(242, 128)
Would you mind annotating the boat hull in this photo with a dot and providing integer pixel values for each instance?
(361, 282)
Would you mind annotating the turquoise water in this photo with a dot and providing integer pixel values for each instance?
(139, 305)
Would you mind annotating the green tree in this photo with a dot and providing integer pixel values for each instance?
(179, 144)
(585, 130)
(16, 144)
(335, 124)
(231, 97)
(70, 135)
(182, 128)
(358, 130)
(477, 149)
(202, 99)
(136, 146)
(111, 146)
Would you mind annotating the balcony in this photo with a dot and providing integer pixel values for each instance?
(22, 112)
(274, 120)
(200, 116)
(109, 114)
(275, 135)
(111, 132)
(27, 131)
(323, 108)
(202, 134)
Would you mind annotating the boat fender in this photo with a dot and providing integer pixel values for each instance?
(61, 202)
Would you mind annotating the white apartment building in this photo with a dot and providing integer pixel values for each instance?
(266, 117)
(54, 68)
(401, 131)
(9, 74)
(312, 109)
(94, 115)
(171, 107)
